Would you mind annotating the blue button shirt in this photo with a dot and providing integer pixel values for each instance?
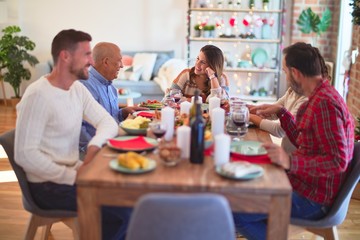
(106, 95)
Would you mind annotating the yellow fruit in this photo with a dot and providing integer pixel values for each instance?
(143, 161)
(127, 162)
(132, 160)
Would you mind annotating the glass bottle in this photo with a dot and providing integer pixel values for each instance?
(197, 126)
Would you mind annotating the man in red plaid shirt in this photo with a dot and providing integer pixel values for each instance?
(323, 132)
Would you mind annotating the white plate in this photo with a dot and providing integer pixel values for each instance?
(259, 57)
(254, 170)
(152, 144)
(115, 166)
(133, 131)
(247, 148)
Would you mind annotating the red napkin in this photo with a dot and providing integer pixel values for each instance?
(146, 114)
(209, 150)
(135, 143)
(261, 159)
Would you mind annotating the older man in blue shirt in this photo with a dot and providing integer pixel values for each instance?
(107, 63)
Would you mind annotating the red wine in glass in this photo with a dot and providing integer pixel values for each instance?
(159, 132)
(240, 123)
(177, 99)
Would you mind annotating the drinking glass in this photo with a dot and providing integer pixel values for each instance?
(158, 129)
(169, 101)
(239, 117)
(176, 94)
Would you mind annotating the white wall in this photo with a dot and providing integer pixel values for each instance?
(132, 24)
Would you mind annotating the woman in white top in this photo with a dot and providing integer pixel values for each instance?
(291, 101)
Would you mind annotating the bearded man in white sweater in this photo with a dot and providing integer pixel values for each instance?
(48, 125)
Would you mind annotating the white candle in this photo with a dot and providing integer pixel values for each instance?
(222, 149)
(214, 102)
(185, 107)
(168, 118)
(183, 140)
(217, 121)
(199, 100)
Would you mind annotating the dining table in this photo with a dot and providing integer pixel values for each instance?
(99, 185)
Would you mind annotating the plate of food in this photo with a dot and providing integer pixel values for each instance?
(240, 170)
(136, 126)
(152, 104)
(146, 113)
(132, 163)
(247, 148)
(132, 143)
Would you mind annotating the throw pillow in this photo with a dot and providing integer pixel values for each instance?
(127, 60)
(132, 73)
(169, 71)
(147, 60)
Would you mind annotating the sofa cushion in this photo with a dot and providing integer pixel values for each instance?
(147, 61)
(132, 73)
(161, 58)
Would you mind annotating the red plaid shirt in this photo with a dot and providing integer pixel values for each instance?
(324, 136)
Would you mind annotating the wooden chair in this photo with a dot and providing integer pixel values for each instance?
(39, 217)
(326, 226)
(158, 216)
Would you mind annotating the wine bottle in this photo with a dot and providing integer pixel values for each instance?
(193, 106)
(197, 136)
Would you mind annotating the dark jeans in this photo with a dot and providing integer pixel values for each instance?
(253, 226)
(50, 195)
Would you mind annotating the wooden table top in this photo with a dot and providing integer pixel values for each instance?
(194, 177)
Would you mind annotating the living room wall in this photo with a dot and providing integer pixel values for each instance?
(133, 25)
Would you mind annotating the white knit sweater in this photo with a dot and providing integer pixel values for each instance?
(291, 101)
(48, 129)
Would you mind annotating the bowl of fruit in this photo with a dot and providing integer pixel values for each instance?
(136, 126)
(169, 154)
(123, 91)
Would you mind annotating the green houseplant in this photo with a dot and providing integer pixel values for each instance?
(310, 22)
(356, 11)
(13, 55)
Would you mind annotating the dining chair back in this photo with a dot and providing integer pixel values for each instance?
(326, 226)
(197, 216)
(39, 217)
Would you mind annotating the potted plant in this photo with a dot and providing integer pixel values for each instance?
(356, 12)
(197, 29)
(310, 22)
(209, 31)
(13, 55)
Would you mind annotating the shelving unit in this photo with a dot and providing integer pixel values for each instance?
(252, 81)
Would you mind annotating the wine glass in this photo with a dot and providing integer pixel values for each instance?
(176, 94)
(169, 101)
(158, 129)
(240, 118)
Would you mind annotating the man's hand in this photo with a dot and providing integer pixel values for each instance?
(266, 110)
(130, 110)
(90, 153)
(277, 155)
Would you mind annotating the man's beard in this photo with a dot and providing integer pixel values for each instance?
(295, 86)
(80, 73)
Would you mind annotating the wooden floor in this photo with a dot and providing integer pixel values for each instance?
(13, 218)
